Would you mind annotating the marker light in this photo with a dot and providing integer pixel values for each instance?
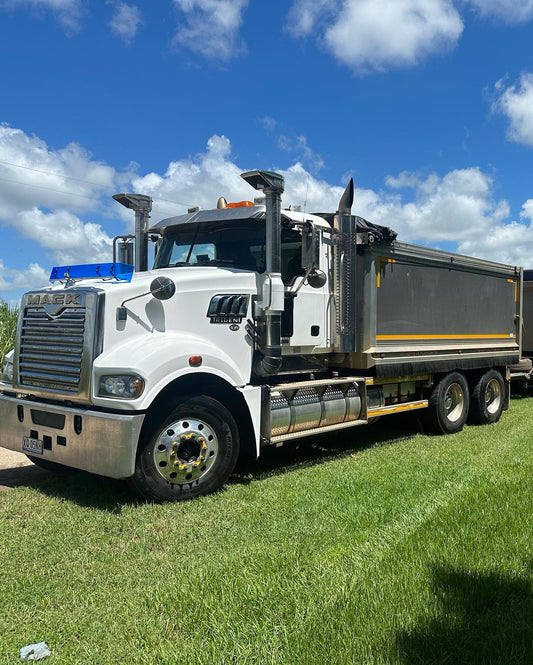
(240, 204)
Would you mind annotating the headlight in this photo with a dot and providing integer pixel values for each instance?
(125, 386)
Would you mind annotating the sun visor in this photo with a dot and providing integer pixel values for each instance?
(216, 215)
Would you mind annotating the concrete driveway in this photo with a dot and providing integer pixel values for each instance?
(10, 459)
(16, 469)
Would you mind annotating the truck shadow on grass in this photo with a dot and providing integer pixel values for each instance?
(84, 489)
(483, 618)
(321, 448)
(110, 495)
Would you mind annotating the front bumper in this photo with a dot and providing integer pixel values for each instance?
(102, 443)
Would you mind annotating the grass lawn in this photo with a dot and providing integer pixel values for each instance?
(376, 546)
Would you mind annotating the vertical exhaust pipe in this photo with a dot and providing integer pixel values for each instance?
(344, 289)
(272, 185)
(142, 205)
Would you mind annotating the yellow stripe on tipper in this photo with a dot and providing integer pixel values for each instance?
(401, 337)
(381, 260)
(515, 282)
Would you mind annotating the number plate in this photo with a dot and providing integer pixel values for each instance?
(30, 445)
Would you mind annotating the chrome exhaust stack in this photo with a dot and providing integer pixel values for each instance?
(272, 185)
(344, 283)
(142, 205)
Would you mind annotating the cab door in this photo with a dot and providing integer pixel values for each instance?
(306, 318)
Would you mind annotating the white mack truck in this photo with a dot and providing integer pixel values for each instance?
(255, 326)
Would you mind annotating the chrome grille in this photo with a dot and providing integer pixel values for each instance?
(51, 349)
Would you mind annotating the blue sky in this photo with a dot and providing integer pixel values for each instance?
(428, 104)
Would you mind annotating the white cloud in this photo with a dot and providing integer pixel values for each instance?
(305, 15)
(455, 208)
(294, 145)
(29, 278)
(200, 180)
(511, 11)
(268, 123)
(68, 12)
(516, 102)
(506, 243)
(299, 149)
(459, 208)
(527, 211)
(69, 239)
(211, 27)
(196, 181)
(126, 21)
(368, 35)
(46, 193)
(33, 174)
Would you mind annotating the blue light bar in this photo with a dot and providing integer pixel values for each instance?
(119, 271)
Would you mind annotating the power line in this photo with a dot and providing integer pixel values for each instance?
(48, 189)
(58, 175)
(67, 177)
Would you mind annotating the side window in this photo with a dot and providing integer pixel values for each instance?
(258, 253)
(291, 255)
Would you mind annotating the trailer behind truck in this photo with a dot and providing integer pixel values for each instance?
(255, 326)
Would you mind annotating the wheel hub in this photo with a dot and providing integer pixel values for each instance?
(453, 402)
(492, 396)
(185, 451)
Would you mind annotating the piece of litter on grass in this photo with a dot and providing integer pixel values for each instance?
(35, 651)
(354, 455)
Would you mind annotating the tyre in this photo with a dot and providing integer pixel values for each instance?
(448, 405)
(48, 465)
(192, 452)
(487, 399)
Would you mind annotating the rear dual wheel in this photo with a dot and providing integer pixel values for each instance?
(448, 405)
(487, 399)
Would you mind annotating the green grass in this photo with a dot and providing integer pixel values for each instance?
(8, 326)
(380, 546)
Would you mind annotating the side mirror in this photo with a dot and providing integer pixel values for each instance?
(162, 288)
(309, 241)
(316, 278)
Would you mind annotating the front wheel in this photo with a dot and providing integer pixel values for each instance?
(487, 398)
(192, 452)
(448, 405)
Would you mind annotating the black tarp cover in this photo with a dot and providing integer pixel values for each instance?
(381, 233)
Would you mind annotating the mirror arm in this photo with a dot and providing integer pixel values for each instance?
(294, 292)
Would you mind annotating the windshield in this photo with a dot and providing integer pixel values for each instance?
(236, 245)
